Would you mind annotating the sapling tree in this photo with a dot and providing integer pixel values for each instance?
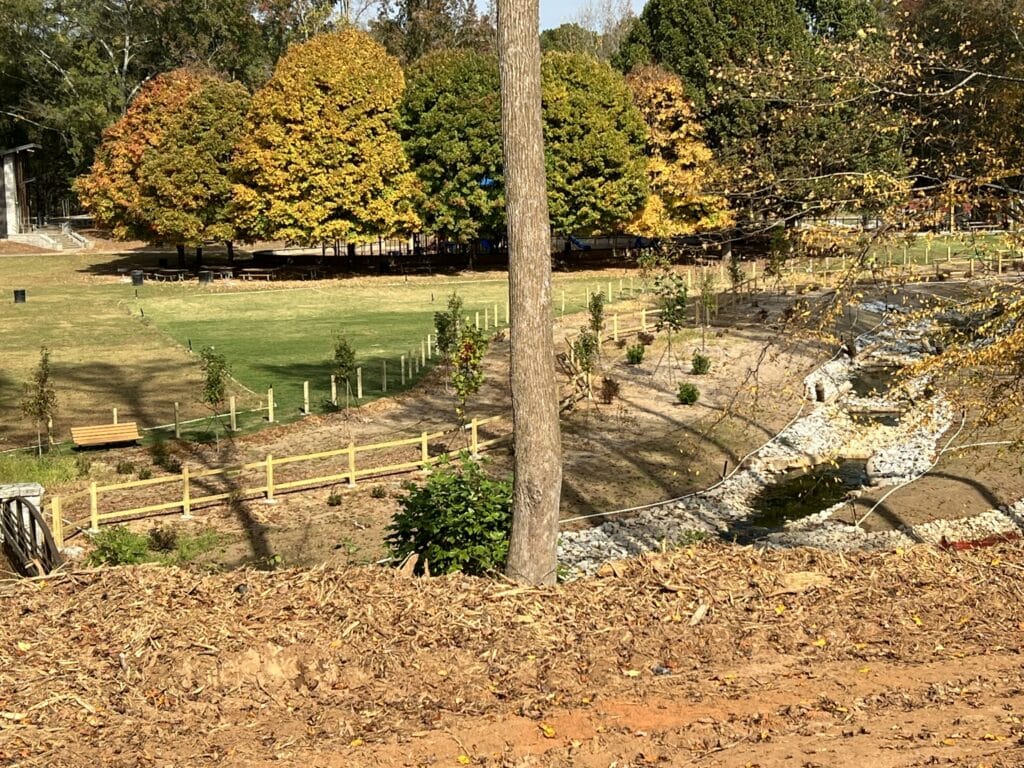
(215, 379)
(671, 291)
(344, 363)
(596, 308)
(40, 400)
(448, 328)
(467, 362)
(707, 303)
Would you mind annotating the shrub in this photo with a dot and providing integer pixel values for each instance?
(645, 338)
(596, 308)
(701, 364)
(378, 492)
(125, 467)
(688, 394)
(344, 368)
(160, 453)
(162, 539)
(118, 546)
(459, 520)
(145, 473)
(334, 499)
(609, 390)
(635, 353)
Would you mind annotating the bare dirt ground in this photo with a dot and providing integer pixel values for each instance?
(711, 656)
(641, 448)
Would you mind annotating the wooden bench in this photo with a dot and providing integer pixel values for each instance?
(105, 434)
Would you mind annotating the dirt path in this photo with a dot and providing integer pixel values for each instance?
(711, 656)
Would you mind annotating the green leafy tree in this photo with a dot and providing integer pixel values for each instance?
(40, 399)
(570, 38)
(692, 37)
(344, 362)
(411, 29)
(451, 127)
(448, 326)
(216, 375)
(321, 159)
(594, 141)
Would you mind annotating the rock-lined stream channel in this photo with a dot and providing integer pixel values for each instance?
(854, 430)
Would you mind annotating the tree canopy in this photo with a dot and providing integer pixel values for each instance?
(451, 125)
(680, 166)
(320, 158)
(161, 172)
(594, 143)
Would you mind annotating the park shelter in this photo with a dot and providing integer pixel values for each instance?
(15, 216)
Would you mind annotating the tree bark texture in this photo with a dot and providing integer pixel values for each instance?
(537, 483)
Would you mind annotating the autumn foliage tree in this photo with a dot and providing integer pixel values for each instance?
(113, 189)
(680, 167)
(321, 159)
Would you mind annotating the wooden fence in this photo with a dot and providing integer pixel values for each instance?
(194, 488)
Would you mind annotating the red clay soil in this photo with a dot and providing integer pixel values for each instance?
(714, 656)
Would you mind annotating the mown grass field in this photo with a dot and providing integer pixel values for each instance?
(117, 346)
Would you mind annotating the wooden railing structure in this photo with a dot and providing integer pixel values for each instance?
(194, 488)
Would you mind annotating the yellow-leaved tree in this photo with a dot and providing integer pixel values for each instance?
(680, 167)
(320, 159)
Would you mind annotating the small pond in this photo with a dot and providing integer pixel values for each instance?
(798, 494)
(870, 382)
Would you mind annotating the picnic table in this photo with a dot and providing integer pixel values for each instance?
(258, 273)
(224, 273)
(168, 274)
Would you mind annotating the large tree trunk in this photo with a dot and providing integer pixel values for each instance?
(537, 485)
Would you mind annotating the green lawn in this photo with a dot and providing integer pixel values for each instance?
(116, 346)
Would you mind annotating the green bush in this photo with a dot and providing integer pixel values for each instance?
(119, 546)
(635, 353)
(458, 521)
(701, 364)
(688, 394)
(334, 499)
(125, 467)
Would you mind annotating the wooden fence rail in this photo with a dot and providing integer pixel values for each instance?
(263, 478)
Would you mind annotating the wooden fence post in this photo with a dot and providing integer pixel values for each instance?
(305, 398)
(424, 451)
(94, 512)
(270, 477)
(430, 348)
(384, 375)
(610, 299)
(1000, 263)
(476, 321)
(177, 422)
(506, 311)
(115, 415)
(334, 390)
(270, 405)
(401, 362)
(56, 523)
(473, 437)
(186, 493)
(487, 313)
(359, 383)
(643, 320)
(351, 465)
(234, 413)
(563, 301)
(495, 316)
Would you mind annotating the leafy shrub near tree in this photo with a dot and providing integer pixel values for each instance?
(459, 520)
(635, 353)
(701, 364)
(688, 394)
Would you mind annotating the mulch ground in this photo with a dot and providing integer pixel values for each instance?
(714, 655)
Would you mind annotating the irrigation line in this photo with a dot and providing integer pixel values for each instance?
(938, 458)
(739, 464)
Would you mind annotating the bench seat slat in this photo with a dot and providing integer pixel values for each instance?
(127, 432)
